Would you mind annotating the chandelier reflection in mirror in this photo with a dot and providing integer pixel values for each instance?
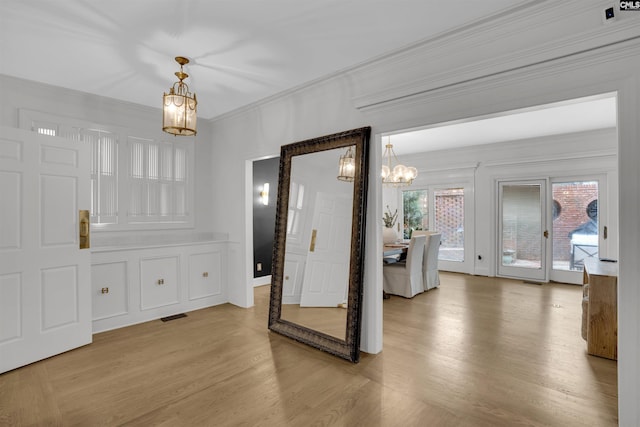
(179, 106)
(347, 166)
(393, 172)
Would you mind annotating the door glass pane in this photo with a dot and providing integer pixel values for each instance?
(575, 223)
(521, 226)
(415, 205)
(449, 222)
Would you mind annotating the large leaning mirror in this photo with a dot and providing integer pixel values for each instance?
(318, 256)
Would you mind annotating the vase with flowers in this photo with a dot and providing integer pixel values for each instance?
(389, 233)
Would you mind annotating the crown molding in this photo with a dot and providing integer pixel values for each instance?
(582, 60)
(516, 26)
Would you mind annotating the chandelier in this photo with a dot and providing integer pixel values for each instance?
(179, 106)
(393, 172)
(347, 166)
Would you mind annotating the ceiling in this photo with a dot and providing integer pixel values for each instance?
(241, 51)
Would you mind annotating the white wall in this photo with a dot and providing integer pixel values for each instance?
(548, 52)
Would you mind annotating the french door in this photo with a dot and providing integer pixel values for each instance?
(522, 230)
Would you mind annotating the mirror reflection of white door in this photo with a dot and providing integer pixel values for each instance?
(326, 274)
(45, 297)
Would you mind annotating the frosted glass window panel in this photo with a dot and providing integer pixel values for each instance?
(164, 199)
(104, 184)
(152, 161)
(180, 193)
(137, 158)
(180, 165)
(166, 162)
(137, 198)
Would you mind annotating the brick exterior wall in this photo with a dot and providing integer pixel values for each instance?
(449, 217)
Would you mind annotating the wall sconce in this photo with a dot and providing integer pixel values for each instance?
(264, 194)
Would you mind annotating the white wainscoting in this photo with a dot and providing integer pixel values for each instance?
(137, 284)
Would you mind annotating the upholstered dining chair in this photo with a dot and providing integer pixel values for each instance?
(405, 278)
(430, 262)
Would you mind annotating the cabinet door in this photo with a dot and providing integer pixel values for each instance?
(159, 282)
(205, 278)
(110, 289)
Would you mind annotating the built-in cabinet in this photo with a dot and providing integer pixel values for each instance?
(134, 285)
(110, 291)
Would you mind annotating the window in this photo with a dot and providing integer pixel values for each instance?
(449, 221)
(575, 223)
(104, 176)
(415, 208)
(135, 182)
(448, 218)
(158, 181)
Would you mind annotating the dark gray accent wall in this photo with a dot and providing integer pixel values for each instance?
(264, 217)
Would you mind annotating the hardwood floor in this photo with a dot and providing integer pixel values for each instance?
(476, 352)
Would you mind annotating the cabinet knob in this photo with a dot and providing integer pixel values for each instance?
(104, 290)
(286, 277)
(205, 274)
(160, 281)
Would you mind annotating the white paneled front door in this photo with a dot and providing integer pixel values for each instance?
(45, 279)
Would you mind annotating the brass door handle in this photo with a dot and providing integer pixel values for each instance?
(312, 246)
(104, 290)
(84, 229)
(605, 232)
(160, 281)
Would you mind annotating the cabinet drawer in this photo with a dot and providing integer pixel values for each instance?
(205, 278)
(159, 282)
(110, 289)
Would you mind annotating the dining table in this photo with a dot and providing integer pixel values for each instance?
(394, 251)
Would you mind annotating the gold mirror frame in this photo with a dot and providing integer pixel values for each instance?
(348, 348)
